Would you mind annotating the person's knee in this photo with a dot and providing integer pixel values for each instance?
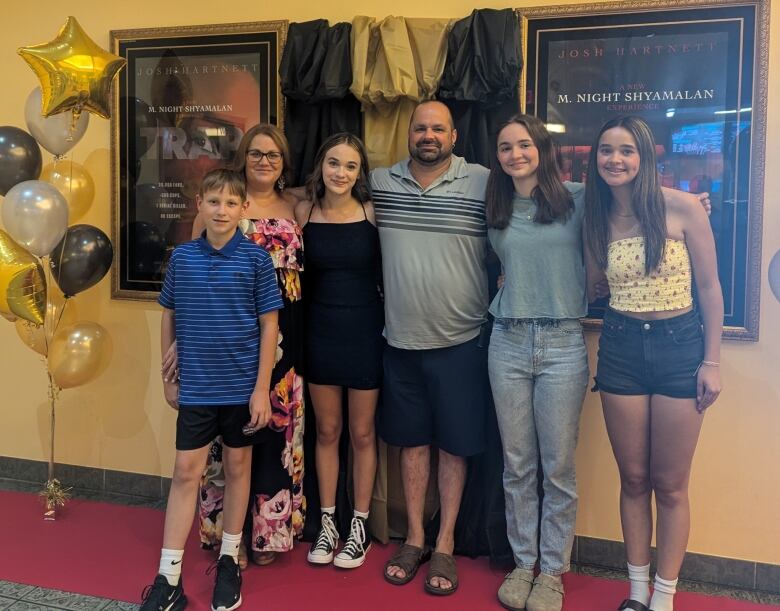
(187, 473)
(670, 491)
(362, 436)
(328, 432)
(635, 483)
(236, 462)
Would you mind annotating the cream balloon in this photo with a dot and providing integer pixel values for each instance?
(38, 337)
(74, 183)
(35, 214)
(57, 133)
(78, 353)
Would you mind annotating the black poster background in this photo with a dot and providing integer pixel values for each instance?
(689, 75)
(184, 105)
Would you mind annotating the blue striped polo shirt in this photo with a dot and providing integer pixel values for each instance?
(434, 246)
(217, 296)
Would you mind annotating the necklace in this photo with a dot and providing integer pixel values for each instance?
(624, 216)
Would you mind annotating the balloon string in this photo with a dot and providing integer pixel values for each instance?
(48, 276)
(54, 392)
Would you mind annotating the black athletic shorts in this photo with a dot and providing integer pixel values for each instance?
(198, 425)
(435, 397)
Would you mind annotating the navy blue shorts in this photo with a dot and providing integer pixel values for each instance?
(198, 425)
(650, 357)
(435, 397)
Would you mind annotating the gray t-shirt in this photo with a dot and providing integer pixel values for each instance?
(434, 245)
(544, 272)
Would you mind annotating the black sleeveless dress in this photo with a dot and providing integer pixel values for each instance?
(344, 315)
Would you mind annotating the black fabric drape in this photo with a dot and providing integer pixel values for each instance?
(480, 87)
(481, 79)
(316, 73)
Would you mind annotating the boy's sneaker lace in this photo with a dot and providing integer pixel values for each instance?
(161, 596)
(355, 549)
(325, 544)
(227, 585)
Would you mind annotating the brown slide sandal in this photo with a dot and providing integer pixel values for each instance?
(409, 558)
(442, 565)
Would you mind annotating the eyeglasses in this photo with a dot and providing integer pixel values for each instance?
(256, 156)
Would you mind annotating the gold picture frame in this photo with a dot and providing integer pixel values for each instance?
(179, 109)
(697, 71)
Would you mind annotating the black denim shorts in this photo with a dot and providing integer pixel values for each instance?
(650, 357)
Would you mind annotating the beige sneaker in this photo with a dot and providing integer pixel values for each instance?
(515, 590)
(547, 594)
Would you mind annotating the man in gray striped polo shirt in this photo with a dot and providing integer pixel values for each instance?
(430, 210)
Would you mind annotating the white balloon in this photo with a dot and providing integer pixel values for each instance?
(35, 214)
(774, 275)
(53, 133)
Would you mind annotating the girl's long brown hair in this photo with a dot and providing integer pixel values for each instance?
(647, 200)
(553, 200)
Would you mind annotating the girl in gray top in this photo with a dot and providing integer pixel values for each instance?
(537, 359)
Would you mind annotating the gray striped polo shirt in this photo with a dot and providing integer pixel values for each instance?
(434, 245)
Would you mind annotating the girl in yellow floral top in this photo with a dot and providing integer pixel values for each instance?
(658, 369)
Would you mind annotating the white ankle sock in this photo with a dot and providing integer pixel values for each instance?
(170, 565)
(331, 511)
(361, 514)
(663, 594)
(230, 544)
(639, 580)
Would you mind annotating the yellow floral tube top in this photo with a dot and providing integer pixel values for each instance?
(666, 288)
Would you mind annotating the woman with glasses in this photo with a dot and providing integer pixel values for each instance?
(276, 494)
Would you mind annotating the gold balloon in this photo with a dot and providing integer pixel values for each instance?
(75, 73)
(38, 337)
(74, 182)
(78, 353)
(22, 283)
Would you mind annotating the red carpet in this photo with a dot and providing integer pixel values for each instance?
(112, 551)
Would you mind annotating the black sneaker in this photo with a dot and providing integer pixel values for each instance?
(326, 542)
(227, 585)
(355, 549)
(161, 596)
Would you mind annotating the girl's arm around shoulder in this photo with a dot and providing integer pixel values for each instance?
(370, 212)
(302, 211)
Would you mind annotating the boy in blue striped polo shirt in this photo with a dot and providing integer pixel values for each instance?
(220, 300)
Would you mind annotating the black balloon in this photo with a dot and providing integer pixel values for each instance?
(20, 157)
(81, 259)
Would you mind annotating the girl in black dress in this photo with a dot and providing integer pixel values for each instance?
(343, 332)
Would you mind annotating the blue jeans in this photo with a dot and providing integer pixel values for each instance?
(539, 375)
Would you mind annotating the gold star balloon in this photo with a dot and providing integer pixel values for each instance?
(75, 72)
(22, 283)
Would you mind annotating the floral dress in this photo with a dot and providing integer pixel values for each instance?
(277, 504)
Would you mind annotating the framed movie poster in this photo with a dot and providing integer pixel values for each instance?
(182, 105)
(697, 72)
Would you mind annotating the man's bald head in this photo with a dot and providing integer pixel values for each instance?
(432, 133)
(436, 106)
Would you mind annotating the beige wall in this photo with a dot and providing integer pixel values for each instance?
(121, 422)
